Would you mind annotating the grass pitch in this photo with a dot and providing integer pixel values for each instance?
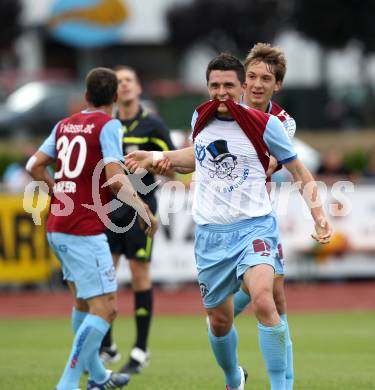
(332, 351)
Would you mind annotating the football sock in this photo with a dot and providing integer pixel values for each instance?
(225, 351)
(289, 355)
(240, 300)
(143, 305)
(273, 347)
(77, 318)
(107, 340)
(85, 353)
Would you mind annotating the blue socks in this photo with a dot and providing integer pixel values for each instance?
(85, 353)
(225, 351)
(77, 319)
(240, 300)
(289, 356)
(272, 342)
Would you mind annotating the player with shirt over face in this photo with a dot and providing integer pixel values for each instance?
(141, 130)
(87, 150)
(236, 235)
(265, 68)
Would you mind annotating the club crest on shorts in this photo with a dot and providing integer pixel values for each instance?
(262, 246)
(111, 274)
(203, 287)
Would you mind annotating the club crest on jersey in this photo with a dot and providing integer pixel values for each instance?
(200, 153)
(224, 161)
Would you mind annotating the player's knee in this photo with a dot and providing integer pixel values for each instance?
(263, 304)
(220, 324)
(112, 314)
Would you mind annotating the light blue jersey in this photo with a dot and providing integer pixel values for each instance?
(278, 142)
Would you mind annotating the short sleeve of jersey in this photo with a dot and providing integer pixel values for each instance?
(111, 141)
(162, 137)
(49, 145)
(278, 141)
(193, 122)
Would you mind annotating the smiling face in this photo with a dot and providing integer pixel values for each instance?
(129, 88)
(224, 85)
(260, 85)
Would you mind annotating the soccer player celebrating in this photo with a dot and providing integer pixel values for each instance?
(265, 68)
(236, 233)
(86, 149)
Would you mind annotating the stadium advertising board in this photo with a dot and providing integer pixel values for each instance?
(25, 256)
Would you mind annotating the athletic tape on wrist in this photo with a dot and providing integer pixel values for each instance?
(156, 156)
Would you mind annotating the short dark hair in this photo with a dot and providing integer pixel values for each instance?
(226, 61)
(101, 87)
(117, 68)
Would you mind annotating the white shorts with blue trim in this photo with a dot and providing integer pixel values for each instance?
(86, 261)
(224, 253)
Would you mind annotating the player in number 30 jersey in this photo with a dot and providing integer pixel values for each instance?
(87, 150)
(80, 142)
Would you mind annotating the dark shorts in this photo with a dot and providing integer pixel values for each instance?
(134, 243)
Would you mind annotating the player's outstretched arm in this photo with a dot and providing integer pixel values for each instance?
(309, 191)
(181, 159)
(37, 167)
(122, 187)
(164, 168)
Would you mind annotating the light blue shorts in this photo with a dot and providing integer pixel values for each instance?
(223, 253)
(86, 261)
(279, 261)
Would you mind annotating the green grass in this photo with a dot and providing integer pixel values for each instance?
(332, 351)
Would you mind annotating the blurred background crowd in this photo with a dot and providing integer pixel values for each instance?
(46, 48)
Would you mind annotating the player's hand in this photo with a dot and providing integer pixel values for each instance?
(150, 230)
(323, 231)
(138, 159)
(272, 166)
(161, 167)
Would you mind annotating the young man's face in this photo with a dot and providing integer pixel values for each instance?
(128, 88)
(224, 85)
(260, 85)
